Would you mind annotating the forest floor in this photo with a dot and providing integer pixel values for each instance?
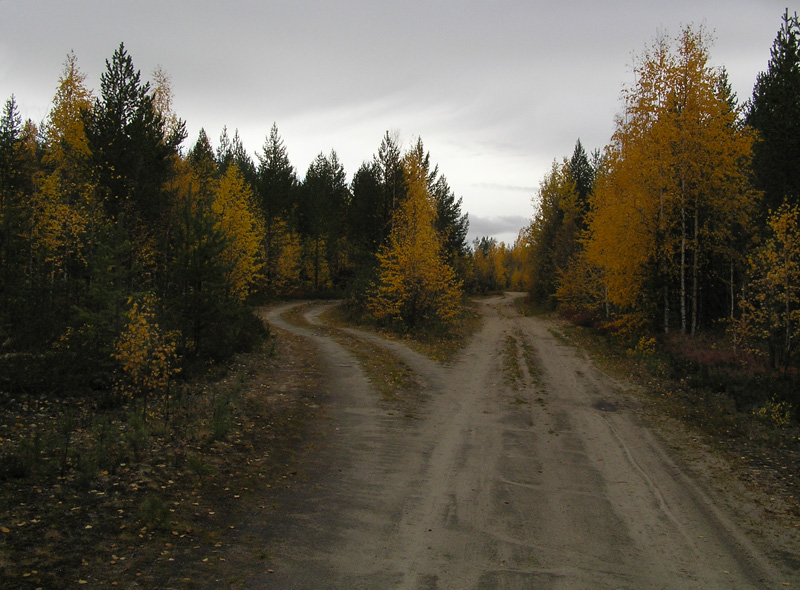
(336, 458)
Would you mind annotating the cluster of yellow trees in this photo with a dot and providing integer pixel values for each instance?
(673, 201)
(669, 231)
(498, 267)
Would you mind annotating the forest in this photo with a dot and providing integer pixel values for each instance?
(681, 236)
(128, 259)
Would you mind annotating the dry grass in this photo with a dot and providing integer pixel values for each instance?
(386, 371)
(440, 344)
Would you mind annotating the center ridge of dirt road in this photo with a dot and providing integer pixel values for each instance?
(524, 467)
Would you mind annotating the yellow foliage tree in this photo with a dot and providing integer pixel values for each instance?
(580, 286)
(673, 198)
(237, 217)
(771, 308)
(415, 284)
(492, 265)
(146, 355)
(287, 263)
(520, 268)
(64, 206)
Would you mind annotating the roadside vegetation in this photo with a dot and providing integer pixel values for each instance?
(112, 496)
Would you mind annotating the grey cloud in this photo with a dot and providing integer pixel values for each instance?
(504, 228)
(497, 90)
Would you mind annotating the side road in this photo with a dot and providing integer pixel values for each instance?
(524, 467)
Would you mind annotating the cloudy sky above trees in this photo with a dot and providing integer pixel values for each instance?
(496, 89)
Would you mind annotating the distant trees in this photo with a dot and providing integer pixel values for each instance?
(553, 237)
(324, 200)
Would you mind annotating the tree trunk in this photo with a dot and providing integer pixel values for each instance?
(787, 324)
(733, 295)
(316, 263)
(683, 268)
(695, 264)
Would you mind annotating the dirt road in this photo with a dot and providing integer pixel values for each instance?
(524, 467)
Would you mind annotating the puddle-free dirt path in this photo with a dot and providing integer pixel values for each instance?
(523, 468)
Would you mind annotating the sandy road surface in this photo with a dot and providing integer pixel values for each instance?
(524, 468)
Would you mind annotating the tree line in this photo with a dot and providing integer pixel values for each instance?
(688, 219)
(126, 258)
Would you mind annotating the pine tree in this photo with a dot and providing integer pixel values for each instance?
(277, 195)
(277, 181)
(14, 219)
(582, 173)
(322, 214)
(365, 217)
(232, 152)
(390, 167)
(202, 159)
(451, 224)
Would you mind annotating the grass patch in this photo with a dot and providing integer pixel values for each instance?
(512, 372)
(531, 362)
(439, 343)
(296, 315)
(560, 337)
(526, 306)
(395, 380)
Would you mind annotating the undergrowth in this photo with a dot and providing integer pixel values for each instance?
(109, 494)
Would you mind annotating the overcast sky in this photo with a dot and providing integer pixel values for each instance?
(496, 89)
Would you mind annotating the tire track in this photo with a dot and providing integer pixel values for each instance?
(546, 480)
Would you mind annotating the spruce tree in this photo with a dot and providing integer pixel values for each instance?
(774, 112)
(130, 142)
(277, 190)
